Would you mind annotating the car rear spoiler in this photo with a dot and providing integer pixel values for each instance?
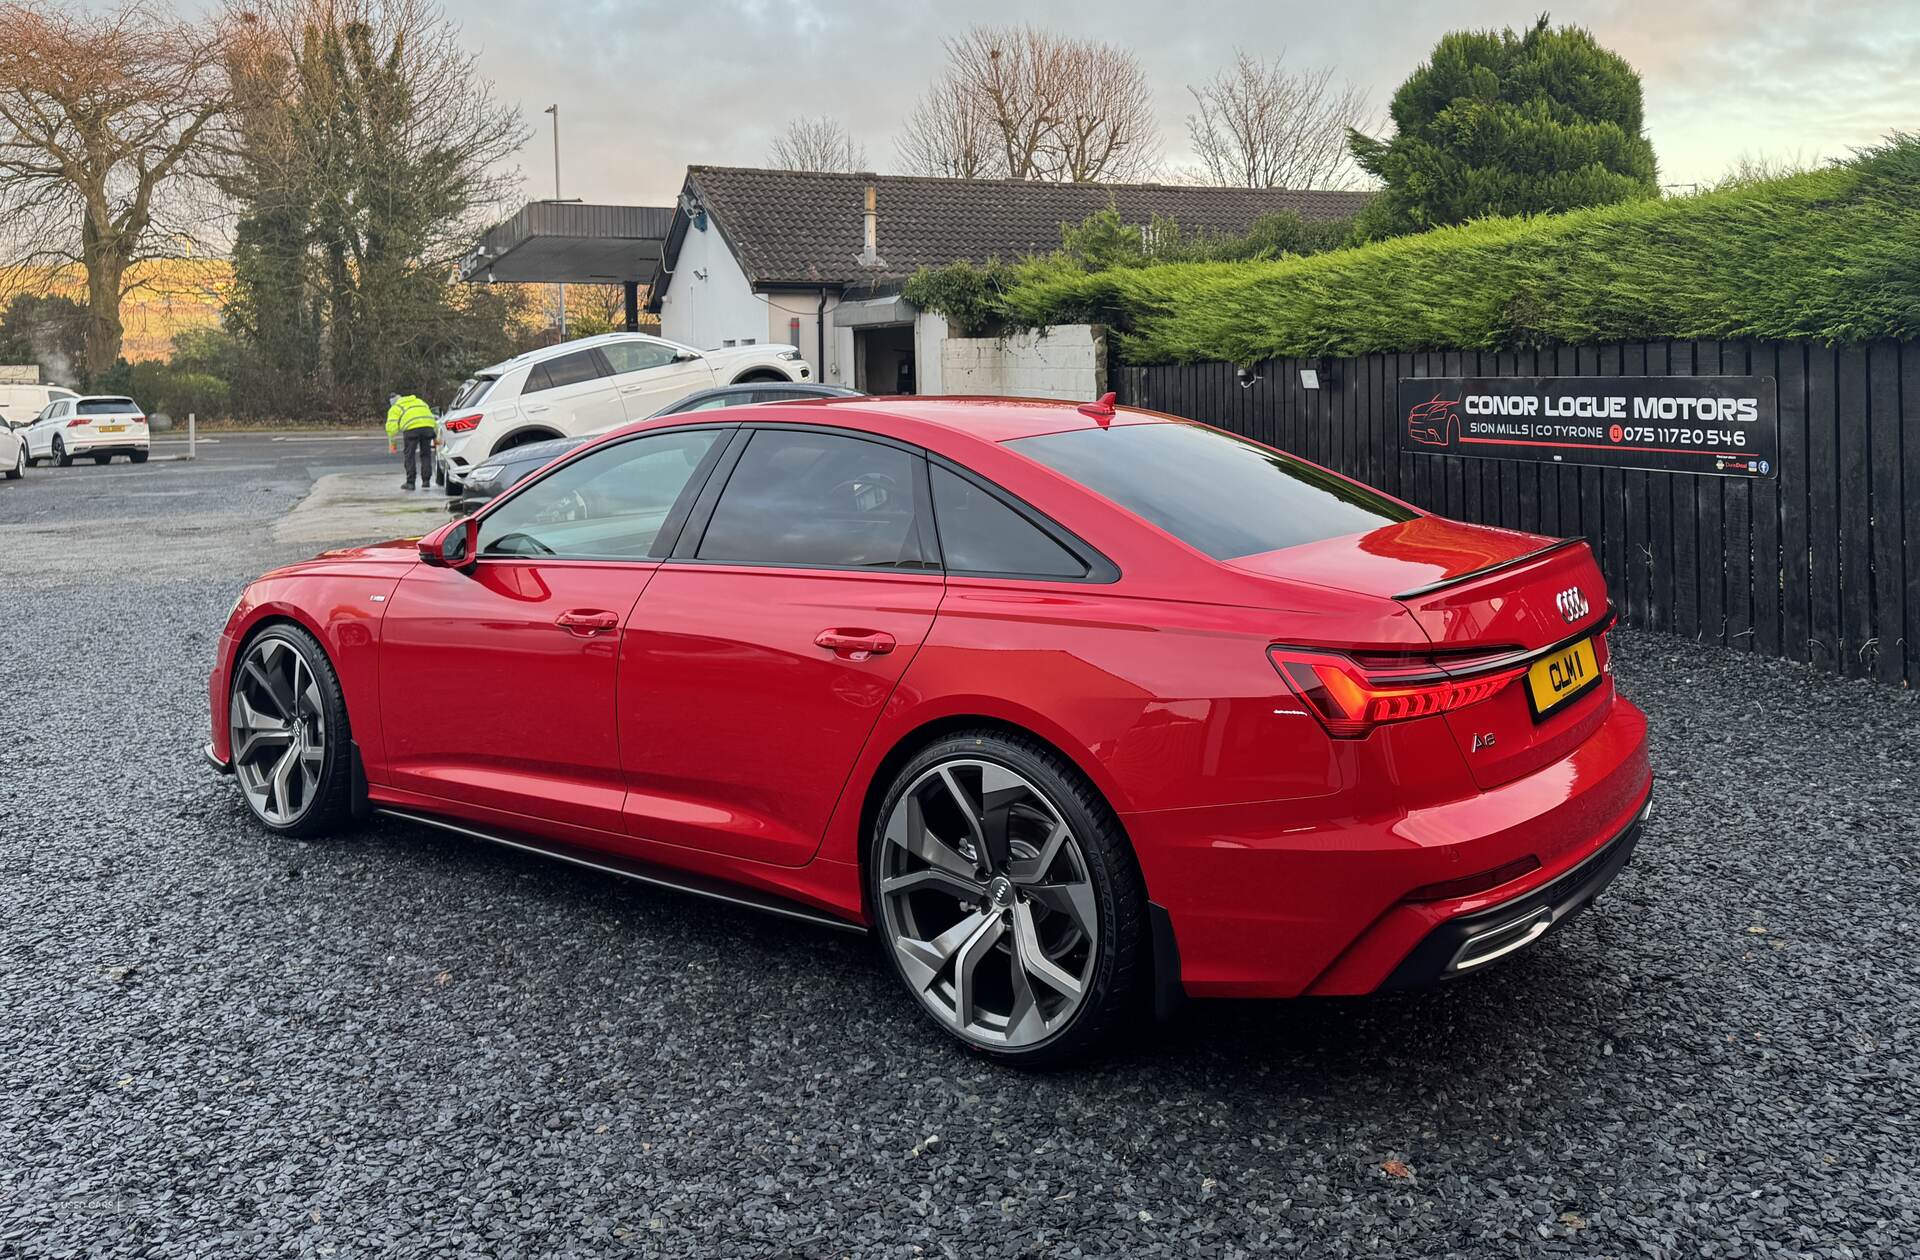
(1500, 567)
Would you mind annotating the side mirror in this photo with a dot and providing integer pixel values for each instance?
(685, 356)
(451, 546)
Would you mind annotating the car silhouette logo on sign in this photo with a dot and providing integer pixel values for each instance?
(1573, 604)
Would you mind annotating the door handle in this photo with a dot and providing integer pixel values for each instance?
(587, 622)
(539, 410)
(855, 645)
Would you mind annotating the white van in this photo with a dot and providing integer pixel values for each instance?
(20, 404)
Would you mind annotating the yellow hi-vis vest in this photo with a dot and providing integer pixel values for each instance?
(408, 412)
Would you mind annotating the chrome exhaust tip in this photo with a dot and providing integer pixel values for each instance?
(1498, 942)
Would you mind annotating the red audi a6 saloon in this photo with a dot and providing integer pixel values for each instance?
(1079, 710)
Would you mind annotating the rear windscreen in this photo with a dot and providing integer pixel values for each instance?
(1214, 492)
(472, 391)
(104, 406)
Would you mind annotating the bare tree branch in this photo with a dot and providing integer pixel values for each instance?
(99, 112)
(1024, 103)
(816, 144)
(1260, 125)
(950, 133)
(1104, 129)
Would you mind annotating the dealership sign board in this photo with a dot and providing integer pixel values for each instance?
(1724, 425)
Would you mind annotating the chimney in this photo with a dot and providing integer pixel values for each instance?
(870, 255)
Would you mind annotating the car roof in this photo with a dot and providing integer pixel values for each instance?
(799, 390)
(104, 398)
(543, 353)
(989, 419)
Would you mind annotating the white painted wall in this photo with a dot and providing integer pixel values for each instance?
(779, 310)
(840, 368)
(708, 301)
(929, 344)
(1067, 362)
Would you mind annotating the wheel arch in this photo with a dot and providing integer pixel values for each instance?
(761, 375)
(269, 617)
(264, 618)
(329, 608)
(261, 618)
(524, 435)
(911, 742)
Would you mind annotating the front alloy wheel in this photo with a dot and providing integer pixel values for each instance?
(288, 732)
(1007, 900)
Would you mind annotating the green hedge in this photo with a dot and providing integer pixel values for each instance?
(1831, 255)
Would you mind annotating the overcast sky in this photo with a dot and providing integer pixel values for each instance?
(645, 88)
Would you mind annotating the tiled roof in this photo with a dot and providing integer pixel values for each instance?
(804, 227)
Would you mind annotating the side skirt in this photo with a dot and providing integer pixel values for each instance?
(634, 869)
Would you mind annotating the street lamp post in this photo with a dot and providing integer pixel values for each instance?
(554, 109)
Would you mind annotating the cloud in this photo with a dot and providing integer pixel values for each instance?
(645, 89)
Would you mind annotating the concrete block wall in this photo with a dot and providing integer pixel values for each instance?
(1067, 362)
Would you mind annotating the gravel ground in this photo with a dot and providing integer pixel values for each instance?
(217, 1043)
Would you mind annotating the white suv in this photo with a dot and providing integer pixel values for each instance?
(99, 425)
(584, 386)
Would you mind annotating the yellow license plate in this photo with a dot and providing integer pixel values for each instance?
(110, 428)
(1557, 679)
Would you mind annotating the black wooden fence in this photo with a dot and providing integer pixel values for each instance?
(1821, 564)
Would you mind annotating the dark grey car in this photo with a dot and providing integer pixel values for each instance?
(494, 477)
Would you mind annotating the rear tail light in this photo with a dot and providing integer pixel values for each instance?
(463, 424)
(77, 421)
(1351, 698)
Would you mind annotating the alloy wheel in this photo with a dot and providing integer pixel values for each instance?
(988, 904)
(279, 732)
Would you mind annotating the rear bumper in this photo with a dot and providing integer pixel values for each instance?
(1464, 945)
(1311, 897)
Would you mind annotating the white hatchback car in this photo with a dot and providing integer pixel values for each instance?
(96, 425)
(583, 386)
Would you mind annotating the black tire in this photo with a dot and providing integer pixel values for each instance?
(60, 455)
(1118, 993)
(103, 459)
(330, 807)
(139, 457)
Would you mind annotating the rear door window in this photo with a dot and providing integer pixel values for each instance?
(803, 497)
(568, 369)
(1217, 493)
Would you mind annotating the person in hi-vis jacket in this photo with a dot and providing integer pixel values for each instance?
(410, 420)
